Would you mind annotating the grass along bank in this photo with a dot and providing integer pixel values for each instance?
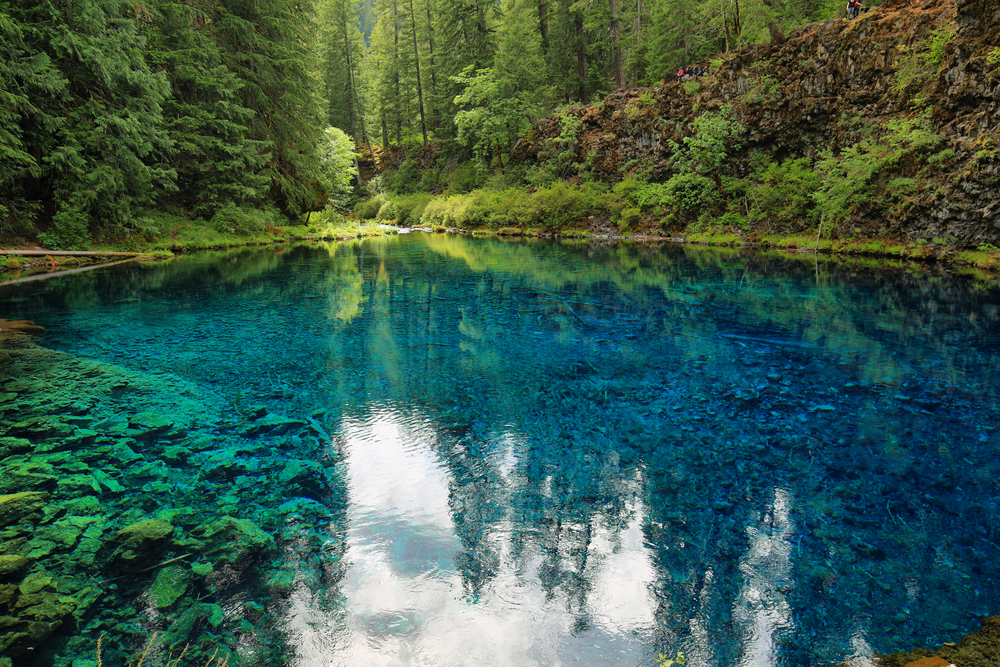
(164, 235)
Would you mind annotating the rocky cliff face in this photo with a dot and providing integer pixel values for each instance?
(831, 85)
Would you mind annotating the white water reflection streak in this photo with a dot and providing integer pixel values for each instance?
(403, 597)
(762, 611)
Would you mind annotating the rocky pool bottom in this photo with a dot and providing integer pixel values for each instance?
(93, 509)
(104, 532)
(768, 486)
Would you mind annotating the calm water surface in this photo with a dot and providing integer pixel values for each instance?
(533, 453)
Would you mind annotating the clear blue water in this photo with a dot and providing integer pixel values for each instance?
(541, 453)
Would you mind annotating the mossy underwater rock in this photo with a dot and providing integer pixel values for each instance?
(14, 567)
(182, 628)
(170, 584)
(977, 649)
(16, 506)
(142, 540)
(233, 540)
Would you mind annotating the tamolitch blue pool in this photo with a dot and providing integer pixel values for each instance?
(436, 450)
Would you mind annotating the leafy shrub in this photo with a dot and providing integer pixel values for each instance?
(464, 178)
(782, 194)
(918, 65)
(732, 219)
(368, 209)
(70, 230)
(338, 166)
(410, 209)
(630, 217)
(691, 191)
(387, 211)
(241, 221)
(405, 180)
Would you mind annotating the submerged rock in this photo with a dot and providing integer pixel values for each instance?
(143, 539)
(170, 584)
(13, 567)
(232, 540)
(16, 506)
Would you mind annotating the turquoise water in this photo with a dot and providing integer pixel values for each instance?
(452, 451)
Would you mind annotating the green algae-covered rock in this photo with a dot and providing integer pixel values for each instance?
(202, 569)
(149, 424)
(27, 475)
(13, 567)
(84, 506)
(123, 454)
(75, 486)
(16, 506)
(231, 540)
(181, 629)
(9, 446)
(8, 596)
(40, 427)
(170, 584)
(272, 424)
(176, 454)
(142, 538)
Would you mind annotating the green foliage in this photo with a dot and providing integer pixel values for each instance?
(406, 179)
(242, 221)
(847, 179)
(989, 247)
(266, 46)
(706, 151)
(782, 194)
(732, 219)
(553, 208)
(917, 66)
(464, 178)
(70, 229)
(692, 87)
(214, 156)
(630, 217)
(557, 155)
(368, 209)
(490, 120)
(689, 191)
(338, 166)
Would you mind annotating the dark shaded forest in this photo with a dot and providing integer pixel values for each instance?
(110, 110)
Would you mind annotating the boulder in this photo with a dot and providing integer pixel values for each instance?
(231, 540)
(170, 584)
(142, 539)
(16, 506)
(13, 567)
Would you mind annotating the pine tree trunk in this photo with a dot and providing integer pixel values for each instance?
(616, 49)
(581, 58)
(416, 60)
(434, 85)
(397, 112)
(543, 25)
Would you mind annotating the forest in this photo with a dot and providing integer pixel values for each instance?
(124, 122)
(234, 111)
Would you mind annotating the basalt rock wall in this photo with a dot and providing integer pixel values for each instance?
(830, 85)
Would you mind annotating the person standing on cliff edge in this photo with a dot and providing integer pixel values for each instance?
(853, 9)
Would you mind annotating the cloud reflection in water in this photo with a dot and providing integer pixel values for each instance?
(406, 600)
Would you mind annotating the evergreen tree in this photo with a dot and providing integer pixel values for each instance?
(266, 45)
(101, 146)
(216, 160)
(24, 77)
(341, 47)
